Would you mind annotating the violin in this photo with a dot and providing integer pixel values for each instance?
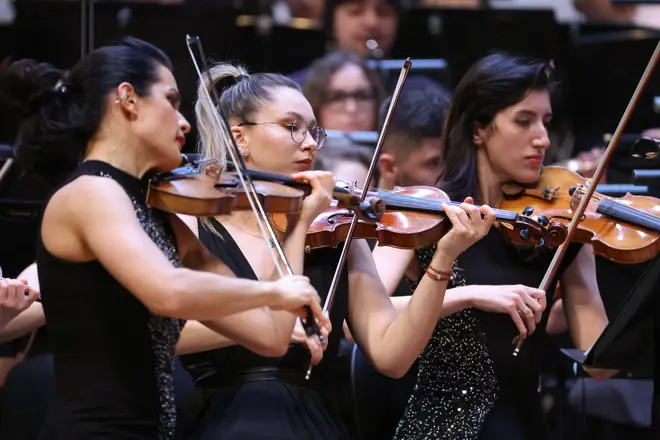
(623, 230)
(200, 188)
(414, 218)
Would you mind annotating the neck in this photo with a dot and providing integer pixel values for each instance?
(118, 154)
(383, 183)
(490, 184)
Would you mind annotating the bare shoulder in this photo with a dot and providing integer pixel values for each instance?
(86, 193)
(86, 203)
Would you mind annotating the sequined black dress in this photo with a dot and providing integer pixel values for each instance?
(469, 385)
(113, 357)
(244, 396)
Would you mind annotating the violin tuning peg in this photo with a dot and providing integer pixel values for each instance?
(524, 234)
(543, 220)
(528, 211)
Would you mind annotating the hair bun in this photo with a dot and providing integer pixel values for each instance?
(25, 80)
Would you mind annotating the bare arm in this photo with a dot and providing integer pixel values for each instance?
(581, 299)
(456, 299)
(105, 228)
(196, 337)
(391, 341)
(391, 264)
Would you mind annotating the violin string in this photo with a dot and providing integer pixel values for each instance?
(380, 192)
(430, 205)
(628, 214)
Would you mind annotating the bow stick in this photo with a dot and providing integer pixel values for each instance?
(592, 183)
(281, 263)
(327, 305)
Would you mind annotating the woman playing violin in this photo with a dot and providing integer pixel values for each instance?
(243, 390)
(470, 386)
(117, 277)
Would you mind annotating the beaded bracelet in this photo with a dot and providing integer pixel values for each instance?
(438, 275)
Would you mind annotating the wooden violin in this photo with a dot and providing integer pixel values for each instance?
(202, 189)
(623, 230)
(414, 218)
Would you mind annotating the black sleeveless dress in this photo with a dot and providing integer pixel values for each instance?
(469, 385)
(113, 358)
(244, 396)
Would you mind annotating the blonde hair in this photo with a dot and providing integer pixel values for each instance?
(240, 96)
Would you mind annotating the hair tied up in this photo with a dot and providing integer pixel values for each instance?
(228, 81)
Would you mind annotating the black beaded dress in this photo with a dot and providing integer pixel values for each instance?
(241, 395)
(469, 385)
(113, 358)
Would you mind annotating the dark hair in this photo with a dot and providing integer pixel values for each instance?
(331, 5)
(64, 110)
(492, 84)
(318, 77)
(241, 94)
(419, 114)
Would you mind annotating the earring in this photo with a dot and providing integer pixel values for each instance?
(245, 153)
(123, 98)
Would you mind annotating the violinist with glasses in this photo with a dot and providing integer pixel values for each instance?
(242, 389)
(117, 277)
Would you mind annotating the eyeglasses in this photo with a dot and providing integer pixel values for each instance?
(339, 98)
(299, 130)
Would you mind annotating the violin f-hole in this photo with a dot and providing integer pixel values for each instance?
(342, 213)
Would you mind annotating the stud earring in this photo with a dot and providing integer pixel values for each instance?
(245, 153)
(123, 98)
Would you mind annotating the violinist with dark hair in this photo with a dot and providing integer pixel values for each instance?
(240, 391)
(470, 386)
(116, 276)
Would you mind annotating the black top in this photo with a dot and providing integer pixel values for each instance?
(291, 407)
(113, 358)
(468, 367)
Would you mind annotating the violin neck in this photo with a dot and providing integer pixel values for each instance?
(430, 206)
(627, 214)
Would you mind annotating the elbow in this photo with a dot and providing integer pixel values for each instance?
(391, 367)
(268, 347)
(170, 300)
(275, 346)
(393, 372)
(272, 351)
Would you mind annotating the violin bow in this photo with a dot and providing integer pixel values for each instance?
(281, 262)
(593, 182)
(327, 305)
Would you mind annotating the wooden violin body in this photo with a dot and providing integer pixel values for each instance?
(413, 218)
(399, 229)
(624, 230)
(205, 191)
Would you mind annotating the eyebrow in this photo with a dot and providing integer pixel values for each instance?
(531, 113)
(299, 116)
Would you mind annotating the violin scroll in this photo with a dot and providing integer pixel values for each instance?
(624, 230)
(540, 233)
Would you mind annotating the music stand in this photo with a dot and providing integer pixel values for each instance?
(627, 342)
